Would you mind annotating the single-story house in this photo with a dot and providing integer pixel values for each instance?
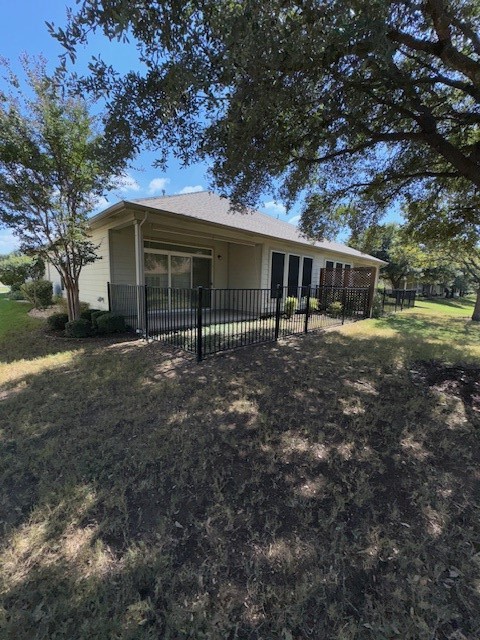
(191, 240)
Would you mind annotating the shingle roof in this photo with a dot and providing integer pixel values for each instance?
(210, 207)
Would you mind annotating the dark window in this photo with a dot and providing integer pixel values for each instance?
(307, 272)
(329, 279)
(278, 267)
(293, 271)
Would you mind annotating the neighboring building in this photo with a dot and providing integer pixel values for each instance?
(195, 240)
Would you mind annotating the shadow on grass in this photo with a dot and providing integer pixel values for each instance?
(307, 489)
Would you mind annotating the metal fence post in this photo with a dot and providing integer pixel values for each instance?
(402, 300)
(199, 324)
(277, 313)
(109, 297)
(344, 301)
(307, 310)
(145, 310)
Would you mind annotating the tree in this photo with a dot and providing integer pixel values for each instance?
(54, 165)
(388, 242)
(16, 269)
(443, 234)
(365, 102)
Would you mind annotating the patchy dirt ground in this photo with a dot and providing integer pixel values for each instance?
(460, 381)
(320, 488)
(44, 313)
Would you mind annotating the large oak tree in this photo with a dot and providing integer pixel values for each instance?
(370, 103)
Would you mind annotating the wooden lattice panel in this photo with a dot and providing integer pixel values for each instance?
(357, 277)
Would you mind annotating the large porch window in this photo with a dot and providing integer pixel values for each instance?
(177, 266)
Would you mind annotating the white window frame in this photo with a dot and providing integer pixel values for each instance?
(169, 255)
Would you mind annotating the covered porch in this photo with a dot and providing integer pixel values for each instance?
(149, 252)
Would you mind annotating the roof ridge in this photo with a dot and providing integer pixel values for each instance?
(170, 195)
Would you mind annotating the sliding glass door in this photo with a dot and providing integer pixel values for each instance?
(175, 271)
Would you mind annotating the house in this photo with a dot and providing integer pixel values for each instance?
(192, 240)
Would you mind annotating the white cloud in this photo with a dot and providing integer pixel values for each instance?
(157, 184)
(276, 207)
(8, 242)
(125, 183)
(189, 189)
(294, 220)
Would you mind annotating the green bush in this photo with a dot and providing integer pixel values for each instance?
(335, 309)
(39, 293)
(95, 315)
(313, 305)
(377, 306)
(86, 314)
(57, 321)
(14, 294)
(16, 269)
(290, 306)
(78, 329)
(110, 323)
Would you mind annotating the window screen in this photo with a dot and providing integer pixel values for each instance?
(278, 266)
(293, 272)
(307, 272)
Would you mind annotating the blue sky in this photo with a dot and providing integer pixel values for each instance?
(23, 30)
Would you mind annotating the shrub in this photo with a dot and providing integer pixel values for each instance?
(86, 314)
(377, 306)
(335, 309)
(290, 306)
(95, 315)
(78, 329)
(313, 304)
(39, 293)
(57, 321)
(110, 323)
(62, 302)
(16, 269)
(15, 295)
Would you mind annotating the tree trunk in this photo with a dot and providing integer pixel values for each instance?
(476, 311)
(73, 300)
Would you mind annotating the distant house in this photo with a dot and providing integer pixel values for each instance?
(191, 240)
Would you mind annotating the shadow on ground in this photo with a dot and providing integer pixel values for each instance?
(308, 489)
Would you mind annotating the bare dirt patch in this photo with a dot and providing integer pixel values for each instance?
(42, 314)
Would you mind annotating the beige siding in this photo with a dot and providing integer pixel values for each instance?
(52, 274)
(122, 255)
(94, 277)
(244, 266)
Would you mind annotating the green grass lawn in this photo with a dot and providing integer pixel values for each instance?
(323, 487)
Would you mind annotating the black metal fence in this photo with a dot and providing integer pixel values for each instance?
(398, 299)
(206, 321)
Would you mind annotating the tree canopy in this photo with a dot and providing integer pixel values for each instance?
(54, 165)
(334, 101)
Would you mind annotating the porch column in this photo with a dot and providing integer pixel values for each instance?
(139, 268)
(139, 277)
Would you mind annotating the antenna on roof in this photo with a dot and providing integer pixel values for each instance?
(163, 192)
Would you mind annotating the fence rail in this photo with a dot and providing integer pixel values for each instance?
(206, 321)
(399, 299)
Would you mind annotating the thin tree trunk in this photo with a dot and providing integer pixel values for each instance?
(476, 311)
(73, 300)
